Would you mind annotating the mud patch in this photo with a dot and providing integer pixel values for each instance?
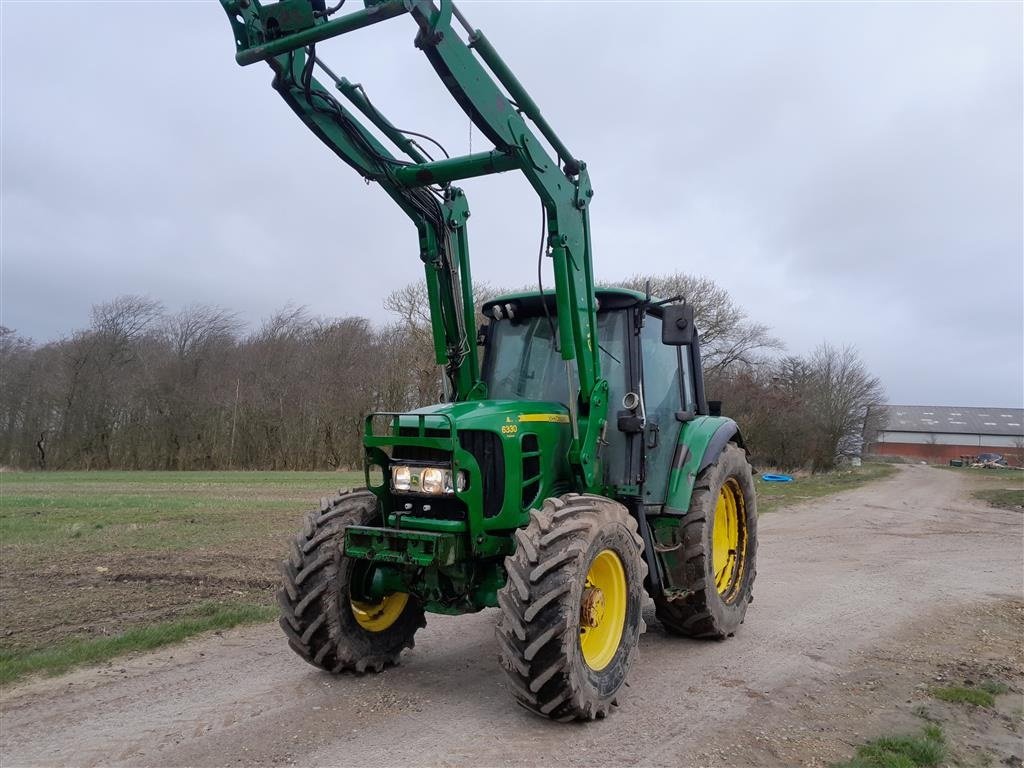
(89, 555)
(45, 607)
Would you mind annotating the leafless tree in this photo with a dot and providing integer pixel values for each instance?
(728, 337)
(197, 329)
(415, 338)
(141, 389)
(842, 394)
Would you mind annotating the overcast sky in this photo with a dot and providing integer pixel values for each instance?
(849, 172)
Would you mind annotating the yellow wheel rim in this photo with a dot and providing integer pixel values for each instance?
(602, 610)
(728, 539)
(376, 617)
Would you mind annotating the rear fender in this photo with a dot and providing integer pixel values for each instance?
(701, 441)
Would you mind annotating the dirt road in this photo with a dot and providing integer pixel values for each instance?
(904, 564)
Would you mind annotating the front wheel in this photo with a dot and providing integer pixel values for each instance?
(570, 610)
(718, 536)
(326, 621)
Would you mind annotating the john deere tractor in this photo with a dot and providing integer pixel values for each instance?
(569, 469)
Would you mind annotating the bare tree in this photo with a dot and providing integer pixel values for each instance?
(195, 330)
(412, 306)
(17, 363)
(118, 324)
(140, 389)
(842, 394)
(185, 382)
(414, 337)
(728, 337)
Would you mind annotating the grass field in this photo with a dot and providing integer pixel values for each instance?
(1007, 498)
(999, 487)
(772, 496)
(95, 564)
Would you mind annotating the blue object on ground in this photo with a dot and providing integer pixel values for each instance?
(777, 478)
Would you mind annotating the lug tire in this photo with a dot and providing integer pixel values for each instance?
(539, 629)
(316, 612)
(702, 612)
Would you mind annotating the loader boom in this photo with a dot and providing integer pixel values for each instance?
(285, 35)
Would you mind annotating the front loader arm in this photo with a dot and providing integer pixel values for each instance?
(440, 219)
(285, 34)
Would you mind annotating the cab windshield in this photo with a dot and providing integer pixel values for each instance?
(523, 363)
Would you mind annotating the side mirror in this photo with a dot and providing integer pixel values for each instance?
(677, 326)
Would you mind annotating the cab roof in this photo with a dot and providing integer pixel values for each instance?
(529, 303)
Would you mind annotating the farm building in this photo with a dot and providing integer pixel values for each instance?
(938, 433)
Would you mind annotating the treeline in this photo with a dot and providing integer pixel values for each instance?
(142, 388)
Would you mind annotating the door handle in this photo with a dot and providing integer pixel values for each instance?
(653, 432)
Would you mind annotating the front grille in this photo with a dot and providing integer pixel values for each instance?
(417, 452)
(487, 450)
(485, 447)
(531, 470)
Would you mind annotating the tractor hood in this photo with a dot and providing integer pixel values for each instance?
(492, 414)
(503, 458)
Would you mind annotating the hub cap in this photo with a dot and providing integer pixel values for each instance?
(376, 617)
(602, 610)
(728, 539)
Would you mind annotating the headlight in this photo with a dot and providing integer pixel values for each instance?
(432, 481)
(401, 478)
(375, 475)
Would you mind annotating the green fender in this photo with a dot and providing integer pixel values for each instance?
(701, 440)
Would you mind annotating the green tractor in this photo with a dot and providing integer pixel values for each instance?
(571, 467)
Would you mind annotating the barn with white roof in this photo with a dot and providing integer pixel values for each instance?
(939, 433)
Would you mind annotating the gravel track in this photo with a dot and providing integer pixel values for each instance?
(835, 577)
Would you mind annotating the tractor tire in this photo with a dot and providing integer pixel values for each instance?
(323, 624)
(570, 610)
(718, 535)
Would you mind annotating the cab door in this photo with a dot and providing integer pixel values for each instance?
(668, 398)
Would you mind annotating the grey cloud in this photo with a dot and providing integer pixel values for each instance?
(851, 172)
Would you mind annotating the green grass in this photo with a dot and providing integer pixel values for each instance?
(994, 687)
(92, 549)
(773, 496)
(76, 652)
(153, 511)
(1007, 498)
(901, 751)
(984, 695)
(1000, 487)
(1011, 476)
(298, 480)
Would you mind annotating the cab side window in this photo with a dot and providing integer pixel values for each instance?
(614, 355)
(662, 376)
(668, 389)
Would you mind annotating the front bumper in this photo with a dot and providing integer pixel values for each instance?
(417, 548)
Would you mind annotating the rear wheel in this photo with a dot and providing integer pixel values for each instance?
(326, 621)
(570, 610)
(718, 535)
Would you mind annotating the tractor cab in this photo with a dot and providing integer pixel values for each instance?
(653, 386)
